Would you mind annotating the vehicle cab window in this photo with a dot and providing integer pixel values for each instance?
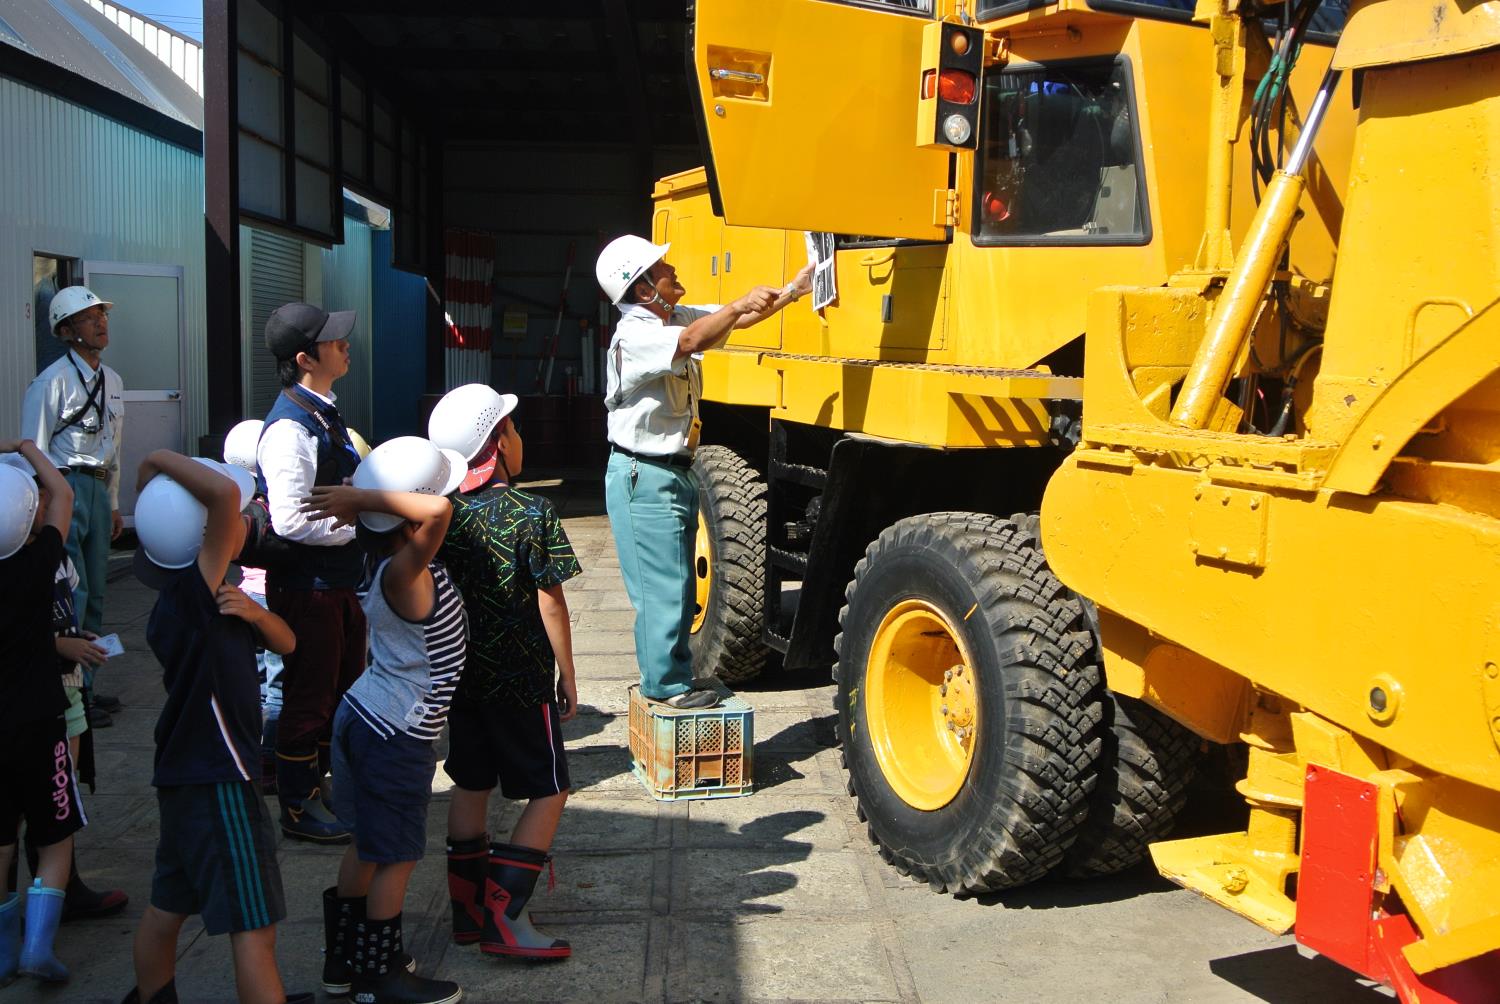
(1059, 158)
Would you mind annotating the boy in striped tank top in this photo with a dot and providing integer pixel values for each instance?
(389, 719)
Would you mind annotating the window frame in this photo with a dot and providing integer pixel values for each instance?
(1141, 239)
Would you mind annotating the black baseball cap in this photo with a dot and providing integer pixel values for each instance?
(295, 326)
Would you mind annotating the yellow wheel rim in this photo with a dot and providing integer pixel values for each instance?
(920, 704)
(703, 568)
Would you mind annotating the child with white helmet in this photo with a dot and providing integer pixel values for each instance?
(38, 783)
(390, 718)
(75, 648)
(216, 852)
(510, 556)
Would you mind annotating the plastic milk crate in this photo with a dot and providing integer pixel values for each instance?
(693, 754)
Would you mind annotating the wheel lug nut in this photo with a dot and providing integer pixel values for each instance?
(943, 690)
(945, 709)
(947, 675)
(951, 726)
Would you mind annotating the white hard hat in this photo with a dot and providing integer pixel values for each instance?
(72, 300)
(407, 464)
(623, 261)
(19, 498)
(170, 522)
(464, 417)
(358, 442)
(241, 443)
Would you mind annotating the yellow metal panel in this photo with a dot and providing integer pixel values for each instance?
(737, 377)
(1202, 695)
(924, 405)
(1380, 33)
(754, 256)
(1353, 590)
(829, 144)
(1413, 115)
(892, 303)
(1228, 525)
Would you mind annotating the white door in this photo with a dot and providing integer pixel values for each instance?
(146, 331)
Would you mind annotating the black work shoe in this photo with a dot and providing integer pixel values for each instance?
(99, 718)
(692, 700)
(108, 702)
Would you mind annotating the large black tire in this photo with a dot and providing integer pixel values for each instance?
(1144, 773)
(732, 500)
(1038, 696)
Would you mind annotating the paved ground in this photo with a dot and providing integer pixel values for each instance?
(774, 897)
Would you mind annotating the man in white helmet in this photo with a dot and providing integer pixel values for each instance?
(654, 384)
(75, 412)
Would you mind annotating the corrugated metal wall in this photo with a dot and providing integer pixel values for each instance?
(346, 286)
(75, 183)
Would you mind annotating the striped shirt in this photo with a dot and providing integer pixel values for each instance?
(414, 665)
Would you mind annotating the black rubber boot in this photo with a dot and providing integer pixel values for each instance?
(467, 863)
(166, 995)
(512, 877)
(340, 915)
(379, 977)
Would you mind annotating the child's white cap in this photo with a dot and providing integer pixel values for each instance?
(19, 497)
(407, 464)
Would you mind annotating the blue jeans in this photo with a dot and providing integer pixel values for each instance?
(268, 668)
(88, 546)
(653, 512)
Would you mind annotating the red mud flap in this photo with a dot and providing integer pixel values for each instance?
(1337, 911)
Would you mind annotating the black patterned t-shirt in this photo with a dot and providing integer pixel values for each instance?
(502, 546)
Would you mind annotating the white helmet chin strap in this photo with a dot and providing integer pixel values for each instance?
(656, 297)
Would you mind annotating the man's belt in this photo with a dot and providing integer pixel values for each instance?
(672, 459)
(97, 473)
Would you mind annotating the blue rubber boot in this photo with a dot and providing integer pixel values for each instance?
(44, 909)
(10, 937)
(303, 814)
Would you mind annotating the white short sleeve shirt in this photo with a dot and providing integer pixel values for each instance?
(651, 396)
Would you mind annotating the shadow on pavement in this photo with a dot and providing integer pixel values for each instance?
(1269, 973)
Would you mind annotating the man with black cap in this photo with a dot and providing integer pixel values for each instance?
(311, 584)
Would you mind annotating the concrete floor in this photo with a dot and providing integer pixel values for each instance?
(774, 897)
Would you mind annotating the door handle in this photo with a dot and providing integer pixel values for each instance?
(713, 265)
(719, 73)
(728, 261)
(174, 395)
(876, 258)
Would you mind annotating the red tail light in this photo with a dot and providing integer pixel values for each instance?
(956, 86)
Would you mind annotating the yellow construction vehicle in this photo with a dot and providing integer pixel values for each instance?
(1280, 500)
(1327, 595)
(874, 469)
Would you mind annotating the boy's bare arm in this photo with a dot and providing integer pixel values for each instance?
(275, 634)
(223, 532)
(554, 610)
(59, 514)
(429, 514)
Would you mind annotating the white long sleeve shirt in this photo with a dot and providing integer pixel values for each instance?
(652, 394)
(59, 391)
(288, 459)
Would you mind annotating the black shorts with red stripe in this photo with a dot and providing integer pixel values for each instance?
(519, 748)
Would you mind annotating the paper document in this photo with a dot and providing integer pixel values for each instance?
(111, 645)
(820, 247)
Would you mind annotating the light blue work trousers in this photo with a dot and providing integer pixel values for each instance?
(88, 546)
(653, 511)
